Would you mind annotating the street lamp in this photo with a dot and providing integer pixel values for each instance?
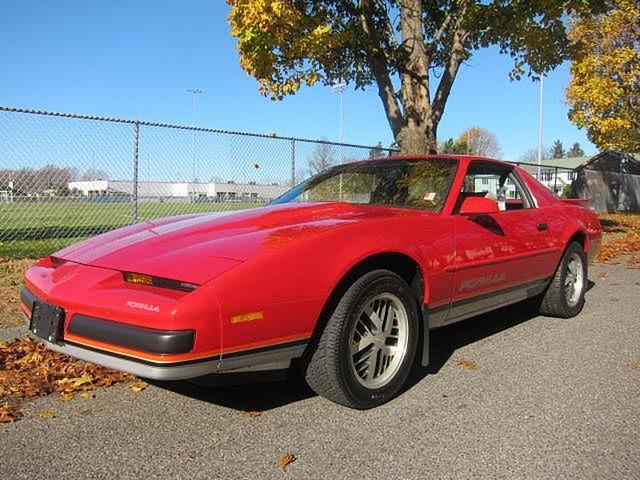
(194, 92)
(540, 125)
(339, 88)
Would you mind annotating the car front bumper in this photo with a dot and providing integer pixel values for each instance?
(276, 358)
(102, 342)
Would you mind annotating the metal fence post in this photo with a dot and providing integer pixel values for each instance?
(293, 163)
(136, 134)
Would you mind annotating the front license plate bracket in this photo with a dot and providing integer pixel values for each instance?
(47, 321)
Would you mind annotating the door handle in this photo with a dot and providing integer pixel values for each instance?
(542, 227)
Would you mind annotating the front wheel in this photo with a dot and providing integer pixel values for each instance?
(564, 296)
(366, 350)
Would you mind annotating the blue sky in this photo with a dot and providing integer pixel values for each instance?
(134, 59)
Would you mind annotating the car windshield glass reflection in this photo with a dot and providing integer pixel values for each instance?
(420, 184)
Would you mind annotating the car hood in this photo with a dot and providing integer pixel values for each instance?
(197, 248)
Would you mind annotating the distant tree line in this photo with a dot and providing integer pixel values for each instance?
(555, 151)
(49, 179)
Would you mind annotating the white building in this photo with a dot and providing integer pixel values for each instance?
(556, 173)
(151, 191)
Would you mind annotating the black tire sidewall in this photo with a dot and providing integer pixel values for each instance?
(386, 282)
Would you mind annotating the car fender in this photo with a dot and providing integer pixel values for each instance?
(568, 221)
(261, 288)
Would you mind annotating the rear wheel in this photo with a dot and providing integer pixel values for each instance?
(564, 297)
(366, 350)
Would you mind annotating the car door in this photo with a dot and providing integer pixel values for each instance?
(501, 257)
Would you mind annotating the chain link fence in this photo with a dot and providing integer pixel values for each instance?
(64, 177)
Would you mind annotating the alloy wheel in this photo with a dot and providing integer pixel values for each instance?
(378, 340)
(574, 280)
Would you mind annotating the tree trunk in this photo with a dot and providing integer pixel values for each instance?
(414, 138)
(412, 115)
(417, 140)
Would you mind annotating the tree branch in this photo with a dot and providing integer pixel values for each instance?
(460, 37)
(380, 70)
(389, 23)
(441, 31)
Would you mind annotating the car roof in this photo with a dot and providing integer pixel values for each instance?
(461, 158)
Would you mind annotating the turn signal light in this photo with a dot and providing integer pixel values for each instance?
(247, 317)
(144, 279)
(138, 278)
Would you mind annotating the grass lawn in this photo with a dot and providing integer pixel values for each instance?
(31, 230)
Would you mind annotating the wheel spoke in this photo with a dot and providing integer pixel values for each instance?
(570, 290)
(389, 320)
(371, 364)
(374, 318)
(376, 361)
(360, 345)
(384, 315)
(389, 350)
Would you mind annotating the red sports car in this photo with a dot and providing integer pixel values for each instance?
(346, 273)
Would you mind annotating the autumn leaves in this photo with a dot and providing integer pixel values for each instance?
(28, 369)
(621, 238)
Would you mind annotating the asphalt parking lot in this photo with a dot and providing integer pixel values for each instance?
(549, 398)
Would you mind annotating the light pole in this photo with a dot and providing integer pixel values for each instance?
(339, 88)
(540, 125)
(194, 92)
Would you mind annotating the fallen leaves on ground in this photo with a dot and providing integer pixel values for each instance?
(186, 458)
(252, 413)
(11, 273)
(139, 386)
(634, 365)
(48, 413)
(29, 369)
(286, 460)
(467, 364)
(87, 395)
(621, 237)
(9, 413)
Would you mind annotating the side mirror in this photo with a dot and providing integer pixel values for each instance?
(478, 206)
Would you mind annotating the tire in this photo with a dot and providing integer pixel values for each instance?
(363, 356)
(559, 300)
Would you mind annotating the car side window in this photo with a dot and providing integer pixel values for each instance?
(494, 181)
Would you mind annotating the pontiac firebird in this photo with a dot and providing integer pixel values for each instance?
(343, 276)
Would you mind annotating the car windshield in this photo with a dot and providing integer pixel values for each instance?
(401, 183)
